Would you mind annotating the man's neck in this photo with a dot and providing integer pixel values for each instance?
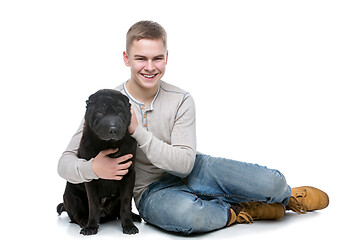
(143, 95)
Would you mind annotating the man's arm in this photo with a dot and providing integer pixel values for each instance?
(76, 170)
(70, 167)
(178, 157)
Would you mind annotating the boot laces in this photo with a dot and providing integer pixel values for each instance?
(295, 205)
(244, 217)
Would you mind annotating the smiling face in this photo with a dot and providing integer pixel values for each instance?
(147, 59)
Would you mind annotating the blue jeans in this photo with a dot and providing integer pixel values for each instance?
(201, 202)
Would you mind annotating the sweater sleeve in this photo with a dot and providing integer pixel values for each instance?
(177, 158)
(70, 167)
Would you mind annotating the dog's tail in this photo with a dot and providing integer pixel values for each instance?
(60, 208)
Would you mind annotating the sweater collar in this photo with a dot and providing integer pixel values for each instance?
(151, 106)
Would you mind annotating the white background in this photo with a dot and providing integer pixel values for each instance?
(275, 83)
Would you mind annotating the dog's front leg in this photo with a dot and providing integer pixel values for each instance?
(94, 210)
(126, 214)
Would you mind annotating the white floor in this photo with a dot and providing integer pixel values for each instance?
(41, 220)
(316, 225)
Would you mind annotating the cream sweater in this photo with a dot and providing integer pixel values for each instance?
(166, 136)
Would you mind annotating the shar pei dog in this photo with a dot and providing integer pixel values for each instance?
(88, 204)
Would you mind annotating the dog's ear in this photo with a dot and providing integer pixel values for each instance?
(127, 101)
(91, 99)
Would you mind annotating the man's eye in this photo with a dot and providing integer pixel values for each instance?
(139, 59)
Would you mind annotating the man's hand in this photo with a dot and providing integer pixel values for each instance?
(111, 168)
(134, 123)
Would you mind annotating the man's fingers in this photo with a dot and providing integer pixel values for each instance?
(117, 178)
(109, 151)
(124, 158)
(124, 166)
(122, 172)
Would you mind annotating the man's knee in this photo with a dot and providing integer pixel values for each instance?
(186, 215)
(277, 186)
(199, 215)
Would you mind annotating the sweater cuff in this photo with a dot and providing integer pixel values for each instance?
(86, 171)
(141, 135)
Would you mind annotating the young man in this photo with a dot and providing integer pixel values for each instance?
(176, 188)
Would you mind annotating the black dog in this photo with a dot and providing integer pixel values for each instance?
(107, 119)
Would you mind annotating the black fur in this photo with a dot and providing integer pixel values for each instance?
(88, 204)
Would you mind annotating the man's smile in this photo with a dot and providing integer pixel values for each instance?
(149, 76)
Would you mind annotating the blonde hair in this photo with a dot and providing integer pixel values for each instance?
(145, 30)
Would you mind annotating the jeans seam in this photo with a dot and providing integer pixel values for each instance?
(226, 196)
(218, 195)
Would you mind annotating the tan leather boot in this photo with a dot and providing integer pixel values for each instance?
(304, 199)
(251, 211)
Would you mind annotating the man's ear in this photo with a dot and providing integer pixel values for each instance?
(167, 56)
(126, 59)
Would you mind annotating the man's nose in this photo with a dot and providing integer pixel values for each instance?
(149, 66)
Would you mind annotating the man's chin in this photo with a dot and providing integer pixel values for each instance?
(149, 83)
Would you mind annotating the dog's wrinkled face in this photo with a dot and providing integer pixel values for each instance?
(108, 114)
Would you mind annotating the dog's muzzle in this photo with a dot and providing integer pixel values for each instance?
(111, 128)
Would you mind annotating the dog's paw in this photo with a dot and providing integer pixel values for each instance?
(130, 230)
(89, 231)
(136, 218)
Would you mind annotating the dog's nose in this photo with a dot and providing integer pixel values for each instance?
(112, 130)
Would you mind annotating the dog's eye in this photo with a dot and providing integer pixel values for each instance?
(118, 108)
(100, 114)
